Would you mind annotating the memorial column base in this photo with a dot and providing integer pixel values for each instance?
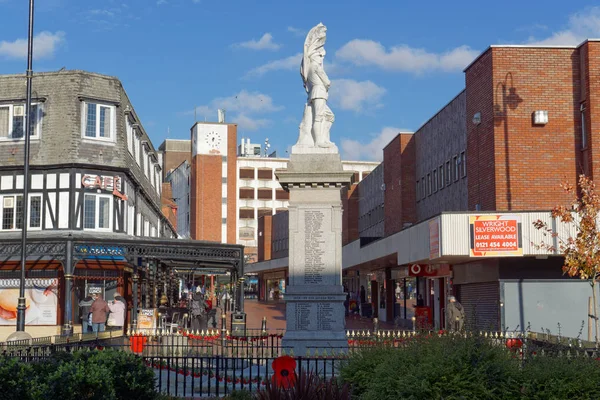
(315, 312)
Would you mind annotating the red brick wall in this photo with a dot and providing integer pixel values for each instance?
(350, 214)
(231, 184)
(532, 160)
(392, 167)
(592, 105)
(480, 139)
(265, 225)
(399, 178)
(205, 198)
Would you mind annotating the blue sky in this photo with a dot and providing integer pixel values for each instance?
(393, 63)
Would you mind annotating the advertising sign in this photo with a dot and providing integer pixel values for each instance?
(147, 318)
(111, 184)
(427, 270)
(434, 238)
(40, 300)
(495, 235)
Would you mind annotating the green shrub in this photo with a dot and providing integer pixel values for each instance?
(13, 379)
(240, 395)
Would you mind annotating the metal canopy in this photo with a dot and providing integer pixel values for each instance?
(175, 253)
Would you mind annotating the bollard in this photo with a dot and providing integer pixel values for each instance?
(264, 325)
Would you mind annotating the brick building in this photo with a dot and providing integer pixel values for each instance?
(494, 156)
(95, 221)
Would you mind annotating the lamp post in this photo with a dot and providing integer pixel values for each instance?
(20, 334)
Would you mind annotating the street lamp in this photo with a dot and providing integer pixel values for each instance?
(20, 333)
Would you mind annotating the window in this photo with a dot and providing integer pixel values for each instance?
(130, 135)
(456, 161)
(138, 150)
(583, 127)
(265, 174)
(281, 194)
(98, 121)
(12, 121)
(246, 213)
(97, 212)
(448, 174)
(246, 173)
(428, 184)
(146, 161)
(435, 181)
(246, 193)
(441, 169)
(12, 212)
(423, 188)
(417, 191)
(463, 164)
(265, 194)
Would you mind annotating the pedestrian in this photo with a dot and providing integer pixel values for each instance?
(198, 310)
(420, 301)
(116, 318)
(456, 315)
(363, 294)
(398, 291)
(84, 313)
(99, 310)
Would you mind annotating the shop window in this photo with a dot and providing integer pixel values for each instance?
(247, 193)
(265, 194)
(265, 174)
(246, 173)
(281, 194)
(246, 213)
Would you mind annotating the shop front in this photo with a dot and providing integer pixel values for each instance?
(273, 286)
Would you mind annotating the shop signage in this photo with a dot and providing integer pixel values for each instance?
(108, 183)
(434, 239)
(147, 318)
(495, 235)
(41, 300)
(429, 270)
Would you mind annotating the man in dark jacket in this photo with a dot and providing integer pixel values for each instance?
(84, 312)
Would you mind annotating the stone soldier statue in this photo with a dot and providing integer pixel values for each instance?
(318, 117)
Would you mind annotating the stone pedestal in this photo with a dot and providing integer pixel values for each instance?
(315, 314)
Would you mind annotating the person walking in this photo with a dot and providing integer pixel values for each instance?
(84, 313)
(116, 318)
(99, 310)
(198, 310)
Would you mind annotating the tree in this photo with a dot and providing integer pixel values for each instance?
(582, 252)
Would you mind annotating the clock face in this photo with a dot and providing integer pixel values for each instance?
(213, 140)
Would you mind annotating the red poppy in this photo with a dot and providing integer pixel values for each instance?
(514, 344)
(284, 372)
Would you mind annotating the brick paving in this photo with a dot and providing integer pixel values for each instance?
(275, 313)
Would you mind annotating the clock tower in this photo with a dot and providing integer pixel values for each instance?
(213, 182)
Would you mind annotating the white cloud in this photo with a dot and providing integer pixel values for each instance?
(242, 108)
(581, 25)
(246, 123)
(45, 45)
(372, 150)
(404, 58)
(349, 94)
(264, 43)
(296, 31)
(287, 64)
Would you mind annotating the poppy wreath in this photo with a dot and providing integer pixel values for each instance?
(284, 372)
(514, 344)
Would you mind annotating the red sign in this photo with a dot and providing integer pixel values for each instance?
(428, 270)
(495, 235)
(423, 319)
(108, 183)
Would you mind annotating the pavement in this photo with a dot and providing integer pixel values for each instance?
(275, 313)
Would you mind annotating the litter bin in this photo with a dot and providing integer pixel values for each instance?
(238, 324)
